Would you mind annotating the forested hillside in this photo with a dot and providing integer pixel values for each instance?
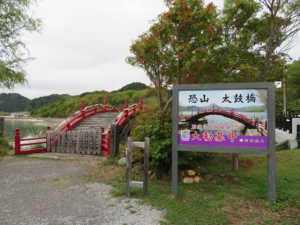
(65, 106)
(14, 102)
(133, 86)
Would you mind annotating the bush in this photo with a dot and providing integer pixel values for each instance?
(5, 147)
(151, 123)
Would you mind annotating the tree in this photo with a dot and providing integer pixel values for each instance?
(292, 80)
(193, 43)
(14, 22)
(279, 25)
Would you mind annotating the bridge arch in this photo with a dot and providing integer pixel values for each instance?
(248, 122)
(87, 112)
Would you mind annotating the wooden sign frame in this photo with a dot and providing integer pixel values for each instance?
(270, 151)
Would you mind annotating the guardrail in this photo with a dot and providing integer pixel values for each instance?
(18, 144)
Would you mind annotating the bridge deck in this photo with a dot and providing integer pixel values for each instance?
(95, 122)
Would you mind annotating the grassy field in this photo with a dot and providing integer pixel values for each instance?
(223, 200)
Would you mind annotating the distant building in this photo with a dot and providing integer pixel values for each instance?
(19, 115)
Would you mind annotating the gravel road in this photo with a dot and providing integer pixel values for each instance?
(35, 191)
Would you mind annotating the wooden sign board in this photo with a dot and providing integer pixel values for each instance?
(228, 131)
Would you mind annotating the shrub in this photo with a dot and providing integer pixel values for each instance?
(151, 123)
(5, 147)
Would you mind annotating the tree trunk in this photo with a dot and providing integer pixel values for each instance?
(235, 162)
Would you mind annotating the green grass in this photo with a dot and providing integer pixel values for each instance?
(205, 203)
(132, 211)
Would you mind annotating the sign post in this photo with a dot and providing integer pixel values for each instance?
(231, 130)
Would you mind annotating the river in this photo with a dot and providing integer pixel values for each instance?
(29, 127)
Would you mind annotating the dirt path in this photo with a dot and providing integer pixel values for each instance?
(36, 191)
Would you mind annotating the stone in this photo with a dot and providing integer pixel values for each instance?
(208, 177)
(188, 180)
(236, 179)
(122, 161)
(191, 172)
(153, 177)
(198, 179)
(104, 159)
(222, 175)
(136, 170)
(292, 144)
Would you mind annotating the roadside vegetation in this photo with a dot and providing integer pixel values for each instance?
(229, 197)
(5, 147)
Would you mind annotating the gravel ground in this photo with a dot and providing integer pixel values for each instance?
(34, 191)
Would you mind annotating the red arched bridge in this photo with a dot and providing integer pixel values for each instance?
(193, 118)
(80, 117)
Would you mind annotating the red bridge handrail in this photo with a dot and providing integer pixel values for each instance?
(85, 112)
(82, 114)
(224, 112)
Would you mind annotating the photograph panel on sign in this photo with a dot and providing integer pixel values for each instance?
(233, 118)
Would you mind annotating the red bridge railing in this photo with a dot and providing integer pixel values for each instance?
(80, 115)
(84, 113)
(18, 144)
(251, 121)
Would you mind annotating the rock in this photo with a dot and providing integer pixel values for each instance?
(208, 177)
(191, 172)
(222, 175)
(122, 161)
(136, 170)
(198, 179)
(188, 180)
(236, 179)
(104, 159)
(153, 177)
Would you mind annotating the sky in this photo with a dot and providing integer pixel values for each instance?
(226, 98)
(84, 44)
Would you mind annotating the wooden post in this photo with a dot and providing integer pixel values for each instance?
(58, 141)
(108, 142)
(17, 142)
(128, 165)
(114, 139)
(53, 141)
(235, 162)
(137, 184)
(146, 166)
(266, 125)
(2, 122)
(120, 109)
